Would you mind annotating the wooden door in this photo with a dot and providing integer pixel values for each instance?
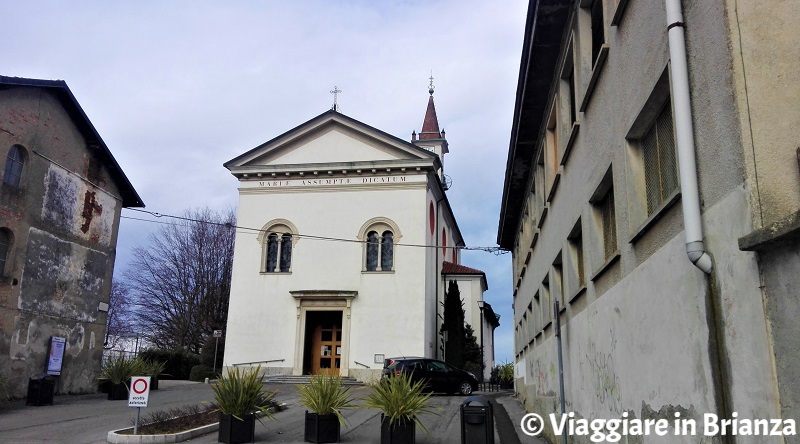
(326, 349)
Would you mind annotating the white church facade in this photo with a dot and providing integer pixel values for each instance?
(344, 266)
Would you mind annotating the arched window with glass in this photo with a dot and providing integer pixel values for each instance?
(15, 160)
(277, 240)
(379, 236)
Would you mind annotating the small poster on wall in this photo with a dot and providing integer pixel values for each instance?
(56, 356)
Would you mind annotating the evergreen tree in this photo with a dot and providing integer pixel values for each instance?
(472, 353)
(454, 326)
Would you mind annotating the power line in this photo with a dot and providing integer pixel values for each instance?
(495, 250)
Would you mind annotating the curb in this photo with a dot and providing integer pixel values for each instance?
(116, 438)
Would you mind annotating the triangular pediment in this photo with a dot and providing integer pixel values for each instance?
(330, 138)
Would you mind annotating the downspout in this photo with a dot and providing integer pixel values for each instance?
(684, 135)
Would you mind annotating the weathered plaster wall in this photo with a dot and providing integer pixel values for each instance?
(64, 218)
(781, 280)
(766, 60)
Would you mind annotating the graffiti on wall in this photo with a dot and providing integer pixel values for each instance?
(604, 377)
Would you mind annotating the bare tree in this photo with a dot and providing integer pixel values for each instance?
(119, 321)
(182, 279)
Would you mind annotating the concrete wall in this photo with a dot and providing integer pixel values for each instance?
(64, 238)
(649, 334)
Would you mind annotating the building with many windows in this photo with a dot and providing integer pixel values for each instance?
(344, 266)
(61, 197)
(654, 146)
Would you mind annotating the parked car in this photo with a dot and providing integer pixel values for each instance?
(438, 376)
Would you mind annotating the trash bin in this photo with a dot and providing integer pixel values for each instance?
(40, 390)
(477, 421)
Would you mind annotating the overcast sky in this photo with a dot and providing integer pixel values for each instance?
(178, 88)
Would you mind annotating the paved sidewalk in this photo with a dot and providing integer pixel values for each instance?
(88, 418)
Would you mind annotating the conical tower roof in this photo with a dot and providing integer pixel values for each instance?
(430, 126)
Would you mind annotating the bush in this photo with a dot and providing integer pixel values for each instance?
(179, 363)
(207, 353)
(201, 372)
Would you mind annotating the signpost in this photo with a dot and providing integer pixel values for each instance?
(217, 334)
(138, 397)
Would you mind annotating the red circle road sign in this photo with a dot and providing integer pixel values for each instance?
(137, 383)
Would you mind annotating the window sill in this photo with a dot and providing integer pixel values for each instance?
(596, 71)
(274, 272)
(581, 291)
(657, 214)
(377, 272)
(573, 133)
(542, 218)
(606, 265)
(615, 21)
(554, 187)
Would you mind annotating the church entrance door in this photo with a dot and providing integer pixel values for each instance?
(324, 333)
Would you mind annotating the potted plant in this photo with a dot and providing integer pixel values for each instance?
(326, 397)
(401, 402)
(154, 369)
(240, 393)
(118, 372)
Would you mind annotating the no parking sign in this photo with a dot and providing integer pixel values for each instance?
(140, 391)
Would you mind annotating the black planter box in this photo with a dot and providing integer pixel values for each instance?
(402, 432)
(154, 383)
(232, 430)
(321, 428)
(118, 392)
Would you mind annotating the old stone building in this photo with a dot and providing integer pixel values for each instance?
(654, 146)
(60, 201)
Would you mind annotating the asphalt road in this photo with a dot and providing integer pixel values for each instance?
(88, 418)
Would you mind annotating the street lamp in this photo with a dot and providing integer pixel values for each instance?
(481, 304)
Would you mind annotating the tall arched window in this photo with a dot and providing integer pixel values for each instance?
(5, 248)
(379, 235)
(387, 251)
(286, 252)
(14, 162)
(277, 240)
(372, 251)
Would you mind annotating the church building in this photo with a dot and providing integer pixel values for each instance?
(341, 263)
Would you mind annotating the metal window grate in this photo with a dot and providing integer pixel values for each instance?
(660, 166)
(5, 243)
(609, 219)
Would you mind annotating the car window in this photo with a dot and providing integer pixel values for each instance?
(436, 366)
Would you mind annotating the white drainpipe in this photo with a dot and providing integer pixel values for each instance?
(690, 195)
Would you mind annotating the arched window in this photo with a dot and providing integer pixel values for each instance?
(5, 248)
(286, 252)
(379, 235)
(14, 162)
(372, 251)
(277, 240)
(387, 251)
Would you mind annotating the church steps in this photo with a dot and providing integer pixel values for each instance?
(304, 379)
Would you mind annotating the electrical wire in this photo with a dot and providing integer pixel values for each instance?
(250, 230)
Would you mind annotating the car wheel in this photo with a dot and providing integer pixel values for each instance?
(465, 388)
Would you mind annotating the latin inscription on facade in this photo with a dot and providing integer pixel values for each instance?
(344, 181)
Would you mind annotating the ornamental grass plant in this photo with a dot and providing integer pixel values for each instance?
(326, 395)
(240, 392)
(400, 399)
(119, 370)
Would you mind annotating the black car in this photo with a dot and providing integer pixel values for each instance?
(438, 376)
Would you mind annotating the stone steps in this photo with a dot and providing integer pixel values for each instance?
(304, 379)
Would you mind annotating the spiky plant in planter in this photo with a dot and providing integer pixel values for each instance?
(240, 393)
(402, 402)
(118, 372)
(326, 397)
